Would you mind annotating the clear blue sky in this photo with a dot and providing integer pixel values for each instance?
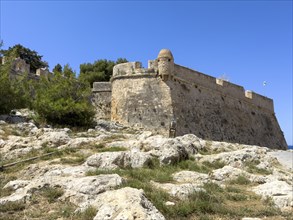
(248, 41)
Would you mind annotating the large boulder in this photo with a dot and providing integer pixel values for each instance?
(170, 152)
(120, 159)
(191, 177)
(126, 203)
(180, 191)
(280, 191)
(54, 138)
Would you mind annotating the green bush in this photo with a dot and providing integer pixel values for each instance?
(63, 101)
(14, 91)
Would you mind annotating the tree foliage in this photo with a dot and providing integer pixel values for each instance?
(59, 99)
(31, 57)
(57, 69)
(14, 92)
(100, 70)
(63, 101)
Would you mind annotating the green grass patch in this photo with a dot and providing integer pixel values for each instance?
(112, 149)
(114, 137)
(240, 180)
(12, 207)
(51, 193)
(88, 214)
(4, 179)
(215, 165)
(251, 167)
(75, 160)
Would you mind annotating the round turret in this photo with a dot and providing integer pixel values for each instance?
(165, 64)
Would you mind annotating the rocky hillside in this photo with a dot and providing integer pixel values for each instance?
(115, 172)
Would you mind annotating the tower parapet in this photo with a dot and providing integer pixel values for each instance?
(165, 64)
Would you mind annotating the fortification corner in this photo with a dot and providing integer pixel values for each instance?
(200, 104)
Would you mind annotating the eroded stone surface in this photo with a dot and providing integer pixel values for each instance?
(125, 203)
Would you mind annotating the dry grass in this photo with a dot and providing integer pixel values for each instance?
(45, 205)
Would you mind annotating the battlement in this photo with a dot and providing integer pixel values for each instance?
(130, 69)
(102, 87)
(194, 78)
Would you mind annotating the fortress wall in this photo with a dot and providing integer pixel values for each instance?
(142, 101)
(260, 101)
(223, 87)
(101, 99)
(195, 77)
(230, 89)
(212, 115)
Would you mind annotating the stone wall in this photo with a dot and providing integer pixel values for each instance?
(101, 99)
(216, 116)
(203, 105)
(142, 101)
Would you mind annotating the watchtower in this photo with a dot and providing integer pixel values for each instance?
(165, 64)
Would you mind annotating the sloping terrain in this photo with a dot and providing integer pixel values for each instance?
(115, 172)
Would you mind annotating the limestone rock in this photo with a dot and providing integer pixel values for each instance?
(238, 157)
(227, 173)
(27, 128)
(2, 143)
(191, 177)
(80, 190)
(121, 159)
(170, 152)
(180, 191)
(126, 203)
(191, 143)
(16, 184)
(108, 125)
(54, 138)
(153, 142)
(79, 142)
(280, 191)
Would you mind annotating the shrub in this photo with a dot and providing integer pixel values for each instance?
(14, 92)
(63, 101)
(240, 180)
(51, 193)
(12, 207)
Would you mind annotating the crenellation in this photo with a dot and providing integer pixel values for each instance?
(262, 102)
(101, 87)
(234, 90)
(126, 68)
(211, 108)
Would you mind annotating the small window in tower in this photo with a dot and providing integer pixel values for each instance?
(169, 60)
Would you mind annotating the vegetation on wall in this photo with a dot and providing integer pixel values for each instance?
(31, 57)
(59, 99)
(64, 101)
(13, 93)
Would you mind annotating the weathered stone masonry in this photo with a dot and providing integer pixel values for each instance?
(200, 104)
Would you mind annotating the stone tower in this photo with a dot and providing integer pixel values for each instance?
(165, 64)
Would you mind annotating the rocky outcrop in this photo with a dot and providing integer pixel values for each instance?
(280, 191)
(114, 160)
(91, 180)
(125, 203)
